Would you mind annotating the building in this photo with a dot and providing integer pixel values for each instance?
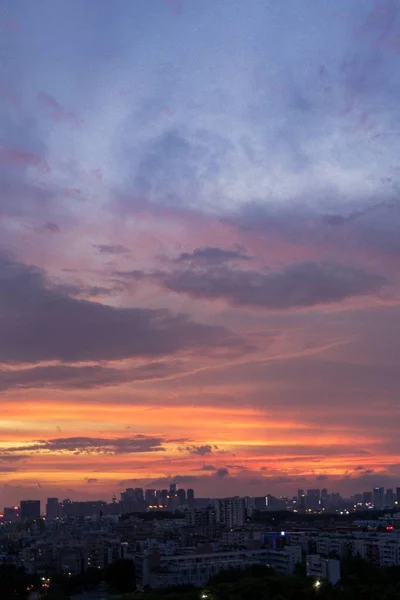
(367, 498)
(323, 568)
(163, 570)
(389, 500)
(11, 514)
(398, 495)
(150, 497)
(190, 497)
(301, 499)
(181, 495)
(52, 508)
(230, 512)
(30, 509)
(313, 498)
(378, 497)
(204, 520)
(284, 561)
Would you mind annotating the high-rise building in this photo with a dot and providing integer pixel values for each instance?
(398, 495)
(367, 497)
(30, 509)
(389, 500)
(150, 497)
(11, 514)
(173, 488)
(52, 508)
(301, 499)
(230, 512)
(181, 494)
(378, 497)
(313, 498)
(190, 498)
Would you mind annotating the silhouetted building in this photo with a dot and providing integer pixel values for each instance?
(150, 497)
(389, 501)
(30, 509)
(313, 498)
(181, 494)
(367, 497)
(11, 514)
(378, 497)
(190, 497)
(52, 508)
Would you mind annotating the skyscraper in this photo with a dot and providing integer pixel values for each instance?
(52, 508)
(378, 497)
(389, 501)
(181, 494)
(150, 497)
(398, 495)
(313, 498)
(30, 509)
(190, 497)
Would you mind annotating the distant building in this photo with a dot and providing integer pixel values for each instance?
(323, 568)
(389, 501)
(52, 508)
(230, 512)
(313, 498)
(30, 509)
(190, 497)
(150, 497)
(378, 497)
(367, 497)
(181, 495)
(11, 514)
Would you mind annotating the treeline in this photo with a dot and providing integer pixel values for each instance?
(360, 581)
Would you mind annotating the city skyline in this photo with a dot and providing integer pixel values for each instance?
(199, 246)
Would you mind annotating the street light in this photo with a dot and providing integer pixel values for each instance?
(317, 584)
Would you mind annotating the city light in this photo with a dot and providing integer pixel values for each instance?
(317, 584)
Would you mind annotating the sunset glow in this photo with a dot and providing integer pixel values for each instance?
(199, 247)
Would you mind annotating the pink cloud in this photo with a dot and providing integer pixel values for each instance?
(55, 110)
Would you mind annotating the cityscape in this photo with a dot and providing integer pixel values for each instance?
(173, 539)
(136, 500)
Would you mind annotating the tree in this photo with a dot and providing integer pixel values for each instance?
(120, 576)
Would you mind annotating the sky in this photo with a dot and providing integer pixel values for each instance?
(199, 248)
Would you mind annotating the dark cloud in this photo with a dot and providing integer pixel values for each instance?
(82, 377)
(43, 322)
(91, 480)
(297, 285)
(7, 469)
(199, 450)
(211, 255)
(208, 468)
(109, 249)
(91, 445)
(321, 477)
(222, 472)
